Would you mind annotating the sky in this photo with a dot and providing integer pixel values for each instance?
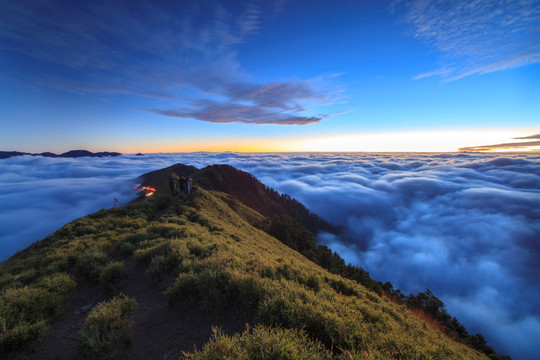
(464, 225)
(283, 75)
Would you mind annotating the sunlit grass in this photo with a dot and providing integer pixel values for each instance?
(212, 253)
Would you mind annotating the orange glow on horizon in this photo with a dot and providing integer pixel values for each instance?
(419, 141)
(237, 145)
(407, 141)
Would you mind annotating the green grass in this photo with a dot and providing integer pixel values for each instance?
(207, 243)
(262, 343)
(107, 329)
(111, 274)
(25, 311)
(91, 263)
(35, 283)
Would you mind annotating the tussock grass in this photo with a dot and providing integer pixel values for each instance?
(91, 263)
(262, 343)
(25, 311)
(34, 283)
(111, 274)
(107, 329)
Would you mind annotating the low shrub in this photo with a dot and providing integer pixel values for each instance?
(145, 255)
(60, 283)
(343, 287)
(160, 265)
(218, 288)
(199, 251)
(90, 263)
(262, 343)
(111, 274)
(126, 248)
(24, 312)
(138, 237)
(313, 282)
(299, 313)
(20, 335)
(166, 231)
(107, 329)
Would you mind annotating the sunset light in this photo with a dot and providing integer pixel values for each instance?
(421, 141)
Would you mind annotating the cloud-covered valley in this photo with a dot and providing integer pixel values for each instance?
(466, 226)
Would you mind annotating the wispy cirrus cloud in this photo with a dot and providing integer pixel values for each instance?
(179, 52)
(476, 37)
(440, 72)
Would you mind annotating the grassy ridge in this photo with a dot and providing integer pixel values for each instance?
(216, 256)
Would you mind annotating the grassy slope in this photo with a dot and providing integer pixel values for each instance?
(219, 258)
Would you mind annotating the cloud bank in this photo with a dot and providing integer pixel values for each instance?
(466, 226)
(476, 37)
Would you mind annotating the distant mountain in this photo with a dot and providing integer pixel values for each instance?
(8, 154)
(69, 154)
(85, 153)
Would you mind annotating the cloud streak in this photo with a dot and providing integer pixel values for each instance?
(227, 113)
(537, 136)
(274, 103)
(516, 146)
(464, 225)
(476, 37)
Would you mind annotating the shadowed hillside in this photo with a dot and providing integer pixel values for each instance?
(157, 277)
(244, 187)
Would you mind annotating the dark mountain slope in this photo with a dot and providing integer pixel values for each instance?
(159, 179)
(244, 187)
(282, 217)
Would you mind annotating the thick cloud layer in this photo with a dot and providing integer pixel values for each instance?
(466, 226)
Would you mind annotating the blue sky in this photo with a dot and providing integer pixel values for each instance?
(133, 76)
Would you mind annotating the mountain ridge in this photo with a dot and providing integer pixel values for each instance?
(67, 154)
(212, 251)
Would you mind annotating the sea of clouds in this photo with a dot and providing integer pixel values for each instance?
(466, 226)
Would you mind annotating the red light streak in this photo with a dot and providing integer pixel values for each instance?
(149, 191)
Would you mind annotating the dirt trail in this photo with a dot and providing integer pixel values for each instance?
(160, 331)
(61, 340)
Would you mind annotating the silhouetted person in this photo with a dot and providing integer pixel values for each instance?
(188, 183)
(182, 182)
(172, 185)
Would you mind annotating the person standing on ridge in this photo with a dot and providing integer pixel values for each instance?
(188, 183)
(182, 182)
(172, 185)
